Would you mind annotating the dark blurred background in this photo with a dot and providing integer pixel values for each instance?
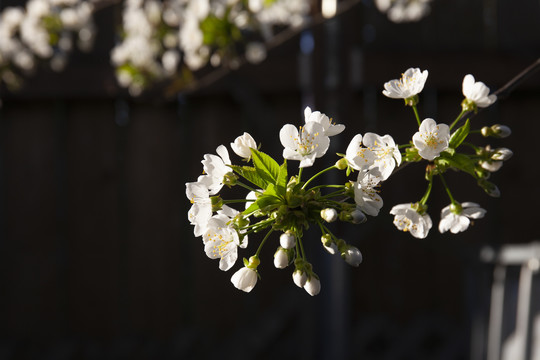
(97, 257)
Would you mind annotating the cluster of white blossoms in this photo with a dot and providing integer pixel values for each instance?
(44, 30)
(159, 37)
(277, 202)
(288, 204)
(400, 11)
(436, 143)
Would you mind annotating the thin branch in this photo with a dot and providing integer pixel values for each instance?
(505, 90)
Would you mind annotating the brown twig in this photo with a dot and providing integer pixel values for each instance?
(507, 88)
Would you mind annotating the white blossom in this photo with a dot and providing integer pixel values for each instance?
(216, 168)
(307, 145)
(242, 145)
(359, 157)
(387, 154)
(431, 139)
(406, 218)
(411, 83)
(366, 192)
(458, 220)
(408, 10)
(221, 241)
(330, 129)
(201, 209)
(244, 279)
(477, 92)
(255, 52)
(170, 61)
(199, 214)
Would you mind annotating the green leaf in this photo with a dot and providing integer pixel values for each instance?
(270, 190)
(264, 203)
(252, 208)
(459, 161)
(460, 135)
(251, 175)
(267, 168)
(281, 182)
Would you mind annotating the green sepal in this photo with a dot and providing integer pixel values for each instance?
(411, 155)
(460, 135)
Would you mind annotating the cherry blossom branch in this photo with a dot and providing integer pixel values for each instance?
(502, 93)
(278, 39)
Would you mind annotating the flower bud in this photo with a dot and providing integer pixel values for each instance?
(502, 154)
(501, 131)
(491, 166)
(328, 244)
(486, 131)
(245, 279)
(341, 164)
(352, 255)
(329, 214)
(358, 217)
(287, 240)
(313, 285)
(299, 278)
(281, 258)
(481, 172)
(490, 188)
